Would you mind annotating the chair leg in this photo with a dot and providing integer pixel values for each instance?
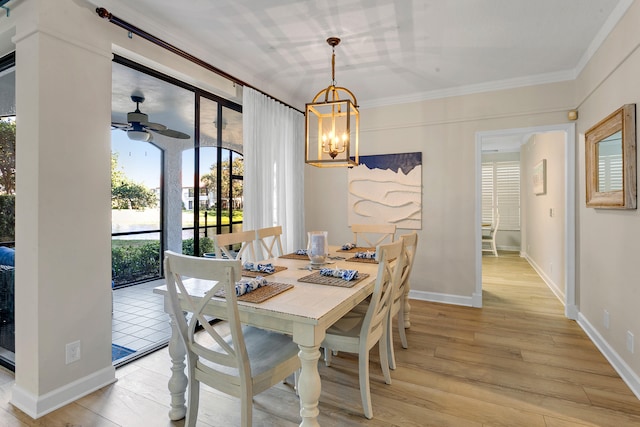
(495, 250)
(327, 356)
(383, 349)
(390, 351)
(363, 369)
(401, 331)
(246, 409)
(192, 404)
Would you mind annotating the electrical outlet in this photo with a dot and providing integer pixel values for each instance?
(72, 352)
(605, 319)
(630, 341)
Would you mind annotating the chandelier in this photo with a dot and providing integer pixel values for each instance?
(332, 123)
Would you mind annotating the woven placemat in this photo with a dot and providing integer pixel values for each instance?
(261, 294)
(365, 260)
(295, 256)
(249, 273)
(356, 249)
(318, 279)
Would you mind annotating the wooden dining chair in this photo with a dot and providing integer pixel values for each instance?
(357, 332)
(371, 235)
(269, 241)
(243, 240)
(400, 296)
(244, 363)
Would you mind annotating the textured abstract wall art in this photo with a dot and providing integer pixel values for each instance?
(387, 189)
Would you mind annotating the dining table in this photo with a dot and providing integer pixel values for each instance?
(304, 310)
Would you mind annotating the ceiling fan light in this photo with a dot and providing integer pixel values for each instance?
(139, 135)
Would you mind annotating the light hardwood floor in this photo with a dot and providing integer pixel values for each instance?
(516, 362)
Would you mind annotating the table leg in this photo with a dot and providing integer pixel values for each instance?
(178, 381)
(407, 308)
(309, 385)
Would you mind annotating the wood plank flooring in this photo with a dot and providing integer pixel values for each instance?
(516, 362)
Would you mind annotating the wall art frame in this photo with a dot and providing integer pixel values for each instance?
(610, 161)
(539, 178)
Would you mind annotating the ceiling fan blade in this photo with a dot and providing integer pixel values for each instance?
(172, 133)
(153, 126)
(123, 126)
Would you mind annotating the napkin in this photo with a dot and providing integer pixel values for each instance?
(244, 286)
(263, 268)
(301, 252)
(365, 255)
(337, 272)
(348, 246)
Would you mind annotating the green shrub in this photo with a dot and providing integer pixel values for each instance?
(206, 245)
(137, 262)
(132, 264)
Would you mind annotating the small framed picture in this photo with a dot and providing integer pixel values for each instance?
(540, 177)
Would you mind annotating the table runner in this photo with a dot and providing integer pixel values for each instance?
(318, 279)
(356, 249)
(261, 294)
(295, 256)
(365, 260)
(251, 273)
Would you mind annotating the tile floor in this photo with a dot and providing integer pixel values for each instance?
(139, 321)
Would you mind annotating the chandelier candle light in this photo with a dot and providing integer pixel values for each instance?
(332, 124)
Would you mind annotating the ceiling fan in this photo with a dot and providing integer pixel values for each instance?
(138, 125)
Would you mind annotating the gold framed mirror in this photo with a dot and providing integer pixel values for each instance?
(610, 160)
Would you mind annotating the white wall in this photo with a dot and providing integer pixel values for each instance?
(609, 240)
(444, 131)
(544, 214)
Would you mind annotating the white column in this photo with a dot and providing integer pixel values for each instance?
(173, 195)
(63, 221)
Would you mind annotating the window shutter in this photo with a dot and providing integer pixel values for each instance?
(487, 193)
(501, 191)
(508, 194)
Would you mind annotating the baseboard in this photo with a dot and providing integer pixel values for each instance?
(559, 293)
(508, 248)
(443, 298)
(38, 406)
(621, 367)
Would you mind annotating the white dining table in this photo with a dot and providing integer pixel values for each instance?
(304, 312)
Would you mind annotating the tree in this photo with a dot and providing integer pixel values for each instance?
(7, 157)
(126, 194)
(209, 180)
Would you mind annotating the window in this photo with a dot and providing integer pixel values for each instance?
(501, 192)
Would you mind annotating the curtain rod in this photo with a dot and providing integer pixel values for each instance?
(105, 14)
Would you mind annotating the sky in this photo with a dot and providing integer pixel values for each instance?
(141, 161)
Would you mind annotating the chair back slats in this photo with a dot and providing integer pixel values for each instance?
(373, 234)
(243, 238)
(391, 261)
(270, 241)
(410, 245)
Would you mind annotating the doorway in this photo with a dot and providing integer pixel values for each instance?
(494, 140)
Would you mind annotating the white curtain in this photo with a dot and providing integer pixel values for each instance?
(273, 138)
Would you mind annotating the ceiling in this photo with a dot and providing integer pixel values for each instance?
(391, 51)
